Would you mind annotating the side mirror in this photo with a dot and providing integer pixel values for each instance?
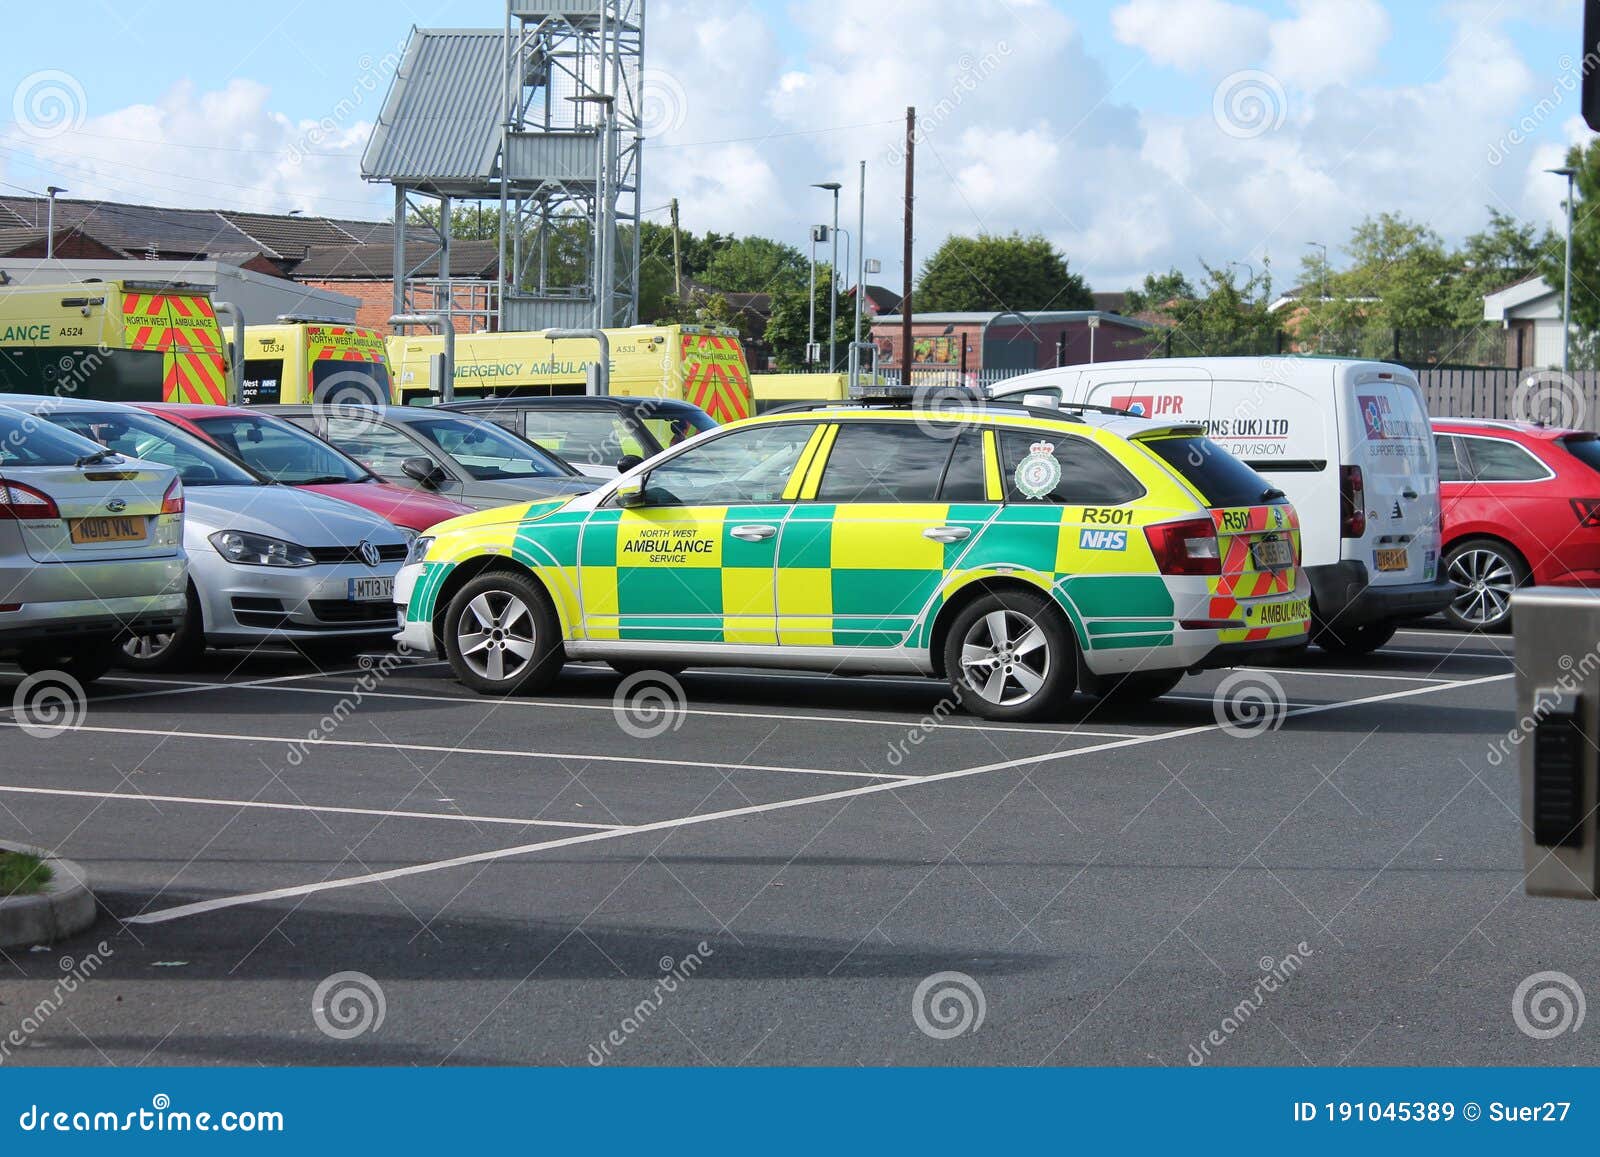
(631, 493)
(627, 462)
(424, 470)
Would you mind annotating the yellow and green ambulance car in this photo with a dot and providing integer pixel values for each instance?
(1020, 554)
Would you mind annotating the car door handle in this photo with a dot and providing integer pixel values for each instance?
(947, 533)
(754, 533)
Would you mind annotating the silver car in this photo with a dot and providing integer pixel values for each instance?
(268, 564)
(91, 549)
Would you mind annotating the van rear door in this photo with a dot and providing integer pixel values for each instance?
(1387, 438)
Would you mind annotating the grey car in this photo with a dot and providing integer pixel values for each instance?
(467, 459)
(268, 564)
(91, 548)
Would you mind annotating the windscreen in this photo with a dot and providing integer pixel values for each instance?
(1221, 479)
(489, 452)
(280, 451)
(137, 434)
(1585, 448)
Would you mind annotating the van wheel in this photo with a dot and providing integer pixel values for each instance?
(84, 660)
(1134, 687)
(178, 651)
(501, 635)
(1011, 656)
(1485, 573)
(1362, 639)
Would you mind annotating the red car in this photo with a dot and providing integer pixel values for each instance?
(285, 453)
(1520, 505)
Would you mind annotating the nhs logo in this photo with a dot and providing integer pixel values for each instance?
(1094, 539)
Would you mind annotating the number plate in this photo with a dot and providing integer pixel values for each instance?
(1391, 559)
(1272, 553)
(371, 590)
(88, 531)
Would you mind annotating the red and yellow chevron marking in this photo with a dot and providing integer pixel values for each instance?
(715, 376)
(1239, 578)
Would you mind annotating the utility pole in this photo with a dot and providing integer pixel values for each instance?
(677, 256)
(1569, 173)
(861, 262)
(906, 348)
(52, 191)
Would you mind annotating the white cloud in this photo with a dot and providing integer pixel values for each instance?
(1194, 35)
(1328, 42)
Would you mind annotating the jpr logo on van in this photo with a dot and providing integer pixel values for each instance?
(1148, 405)
(1092, 539)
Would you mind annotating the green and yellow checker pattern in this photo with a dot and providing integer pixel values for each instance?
(857, 575)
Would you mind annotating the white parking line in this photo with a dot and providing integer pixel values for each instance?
(574, 757)
(200, 907)
(568, 705)
(1486, 656)
(1314, 673)
(328, 809)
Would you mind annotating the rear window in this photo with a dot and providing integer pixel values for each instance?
(1585, 448)
(29, 441)
(1221, 479)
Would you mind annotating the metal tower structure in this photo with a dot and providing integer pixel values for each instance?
(570, 163)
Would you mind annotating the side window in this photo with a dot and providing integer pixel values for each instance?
(1496, 460)
(1062, 468)
(263, 382)
(873, 462)
(378, 448)
(1451, 468)
(963, 477)
(746, 466)
(582, 437)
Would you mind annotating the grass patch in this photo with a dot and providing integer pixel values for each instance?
(22, 874)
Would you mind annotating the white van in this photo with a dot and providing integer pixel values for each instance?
(1347, 441)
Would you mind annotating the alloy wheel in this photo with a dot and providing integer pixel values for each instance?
(1485, 580)
(1005, 658)
(496, 634)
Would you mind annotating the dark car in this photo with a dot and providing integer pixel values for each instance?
(599, 435)
(458, 456)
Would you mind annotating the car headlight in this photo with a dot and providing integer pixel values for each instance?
(247, 549)
(419, 548)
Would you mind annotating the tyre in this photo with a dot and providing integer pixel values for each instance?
(1485, 573)
(1362, 639)
(626, 667)
(176, 651)
(1134, 687)
(501, 635)
(1011, 656)
(84, 659)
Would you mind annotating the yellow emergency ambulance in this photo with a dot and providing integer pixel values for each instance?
(1021, 554)
(299, 360)
(125, 341)
(699, 364)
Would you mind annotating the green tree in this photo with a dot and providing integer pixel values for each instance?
(1157, 291)
(1585, 242)
(1503, 252)
(787, 326)
(1400, 277)
(754, 265)
(1228, 317)
(991, 272)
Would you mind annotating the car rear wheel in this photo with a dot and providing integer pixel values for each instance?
(1011, 656)
(1485, 573)
(84, 660)
(1134, 687)
(1361, 639)
(501, 635)
(174, 651)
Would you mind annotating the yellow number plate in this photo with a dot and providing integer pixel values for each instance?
(88, 531)
(1392, 559)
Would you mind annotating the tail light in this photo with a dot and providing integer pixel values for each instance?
(19, 503)
(172, 500)
(1587, 510)
(1352, 503)
(1187, 547)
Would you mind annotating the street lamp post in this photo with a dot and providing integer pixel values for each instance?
(1569, 173)
(811, 304)
(833, 297)
(50, 221)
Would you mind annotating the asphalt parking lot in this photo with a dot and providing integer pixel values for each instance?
(799, 856)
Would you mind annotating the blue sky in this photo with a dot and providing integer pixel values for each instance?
(1092, 128)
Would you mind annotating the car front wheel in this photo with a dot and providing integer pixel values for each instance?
(1011, 656)
(501, 635)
